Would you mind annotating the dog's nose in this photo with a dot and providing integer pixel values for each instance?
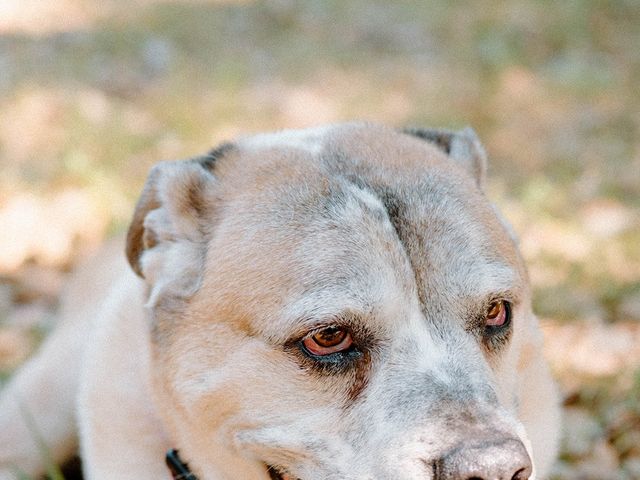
(488, 459)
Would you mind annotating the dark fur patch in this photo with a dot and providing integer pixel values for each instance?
(209, 160)
(195, 198)
(440, 138)
(408, 234)
(361, 376)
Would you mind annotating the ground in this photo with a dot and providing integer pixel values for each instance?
(92, 93)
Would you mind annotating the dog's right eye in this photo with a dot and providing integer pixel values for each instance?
(327, 341)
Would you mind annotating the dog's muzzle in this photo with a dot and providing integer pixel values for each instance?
(503, 458)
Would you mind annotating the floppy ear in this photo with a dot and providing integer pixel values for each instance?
(462, 146)
(167, 236)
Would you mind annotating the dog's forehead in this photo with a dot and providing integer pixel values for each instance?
(361, 141)
(357, 213)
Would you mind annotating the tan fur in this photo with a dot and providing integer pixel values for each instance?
(240, 257)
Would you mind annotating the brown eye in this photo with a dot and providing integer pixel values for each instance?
(498, 314)
(327, 341)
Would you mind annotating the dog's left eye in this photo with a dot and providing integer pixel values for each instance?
(498, 314)
(327, 341)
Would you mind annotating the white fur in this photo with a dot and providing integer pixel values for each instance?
(309, 140)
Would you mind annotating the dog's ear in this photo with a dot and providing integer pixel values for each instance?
(462, 146)
(166, 238)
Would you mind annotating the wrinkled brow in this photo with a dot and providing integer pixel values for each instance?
(317, 310)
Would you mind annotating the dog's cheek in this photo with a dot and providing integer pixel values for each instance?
(217, 372)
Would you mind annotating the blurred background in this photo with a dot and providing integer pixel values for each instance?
(93, 92)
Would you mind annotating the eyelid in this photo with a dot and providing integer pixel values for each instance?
(506, 295)
(318, 327)
(501, 294)
(363, 341)
(330, 351)
(347, 320)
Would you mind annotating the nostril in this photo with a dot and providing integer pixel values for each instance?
(503, 458)
(522, 474)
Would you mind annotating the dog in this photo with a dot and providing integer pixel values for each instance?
(335, 303)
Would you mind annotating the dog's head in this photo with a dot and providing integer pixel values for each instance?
(335, 303)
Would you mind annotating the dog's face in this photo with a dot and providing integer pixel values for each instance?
(338, 303)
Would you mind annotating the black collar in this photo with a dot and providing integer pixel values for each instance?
(179, 469)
